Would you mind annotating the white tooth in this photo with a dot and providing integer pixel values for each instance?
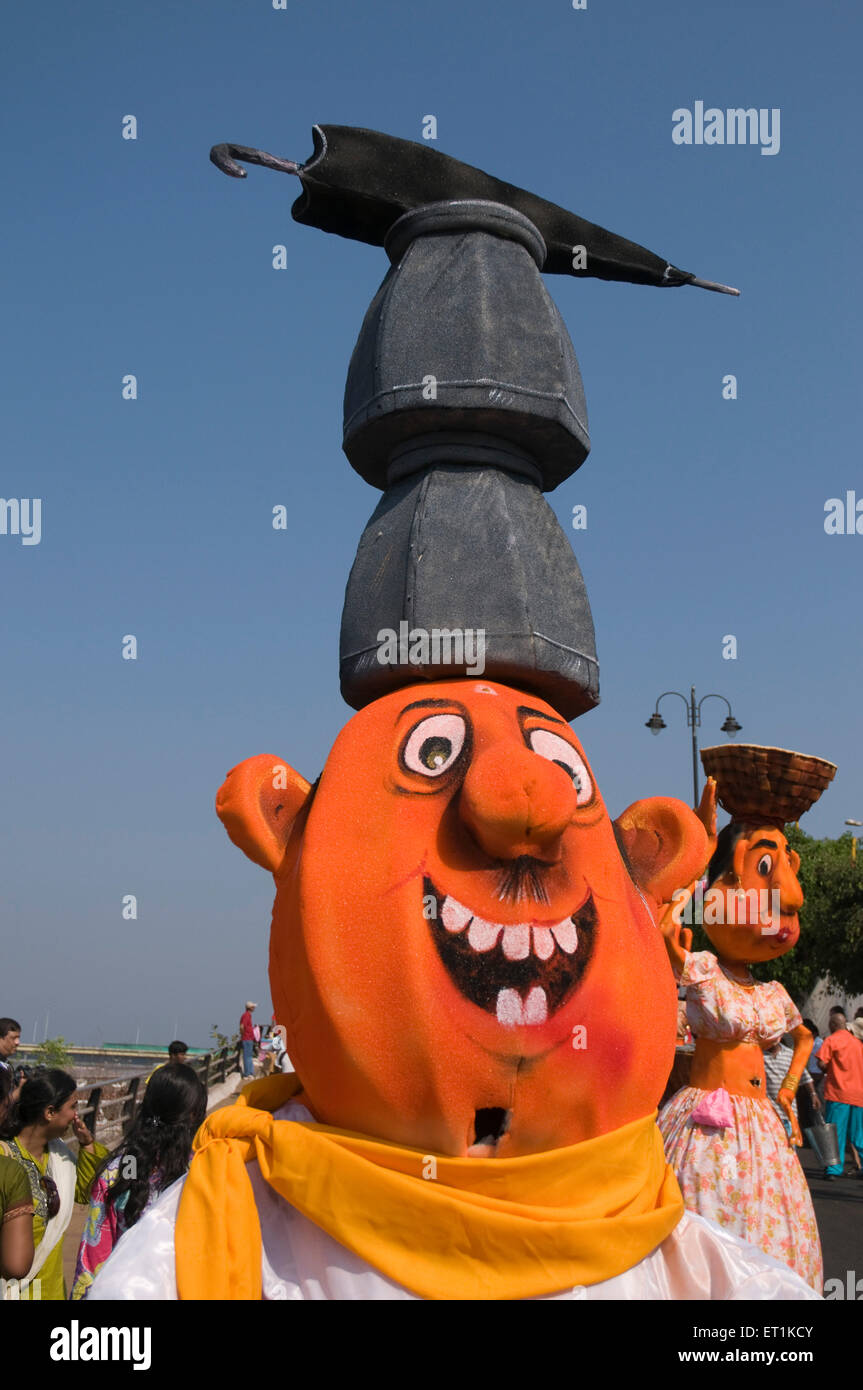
(483, 935)
(509, 1009)
(535, 1007)
(455, 917)
(566, 936)
(516, 942)
(543, 942)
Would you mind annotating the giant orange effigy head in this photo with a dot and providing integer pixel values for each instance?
(751, 912)
(462, 947)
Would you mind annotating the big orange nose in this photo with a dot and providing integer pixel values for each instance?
(516, 803)
(790, 892)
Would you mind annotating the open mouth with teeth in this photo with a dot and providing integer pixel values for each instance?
(523, 973)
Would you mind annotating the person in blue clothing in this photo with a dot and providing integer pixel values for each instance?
(814, 1071)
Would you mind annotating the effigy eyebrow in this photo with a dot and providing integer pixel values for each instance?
(435, 704)
(527, 713)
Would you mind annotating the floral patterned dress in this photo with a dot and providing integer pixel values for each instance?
(745, 1176)
(105, 1225)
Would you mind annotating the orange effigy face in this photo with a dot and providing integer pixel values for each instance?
(757, 899)
(458, 947)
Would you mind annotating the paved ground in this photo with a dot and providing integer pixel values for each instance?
(839, 1210)
(838, 1207)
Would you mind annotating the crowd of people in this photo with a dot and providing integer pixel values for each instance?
(41, 1178)
(839, 1058)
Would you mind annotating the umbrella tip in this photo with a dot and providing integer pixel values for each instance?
(674, 276)
(713, 285)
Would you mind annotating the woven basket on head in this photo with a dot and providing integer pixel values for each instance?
(765, 784)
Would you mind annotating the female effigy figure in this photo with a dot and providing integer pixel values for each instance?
(733, 1160)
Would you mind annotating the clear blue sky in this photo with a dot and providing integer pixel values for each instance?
(705, 517)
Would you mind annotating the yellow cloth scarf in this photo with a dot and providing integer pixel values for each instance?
(471, 1228)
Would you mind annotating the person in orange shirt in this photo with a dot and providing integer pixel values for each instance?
(841, 1057)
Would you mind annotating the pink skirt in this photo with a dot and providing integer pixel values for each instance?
(746, 1178)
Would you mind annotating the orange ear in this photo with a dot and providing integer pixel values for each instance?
(666, 844)
(257, 803)
(706, 813)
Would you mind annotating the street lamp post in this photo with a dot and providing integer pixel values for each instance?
(854, 840)
(656, 724)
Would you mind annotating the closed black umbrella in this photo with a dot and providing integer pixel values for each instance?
(359, 182)
(463, 404)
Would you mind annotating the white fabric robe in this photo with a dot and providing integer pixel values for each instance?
(300, 1261)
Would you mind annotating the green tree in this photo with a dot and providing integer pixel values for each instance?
(221, 1040)
(53, 1052)
(831, 921)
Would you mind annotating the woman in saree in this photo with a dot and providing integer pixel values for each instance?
(46, 1107)
(16, 1204)
(154, 1153)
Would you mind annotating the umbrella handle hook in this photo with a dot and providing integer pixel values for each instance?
(225, 158)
